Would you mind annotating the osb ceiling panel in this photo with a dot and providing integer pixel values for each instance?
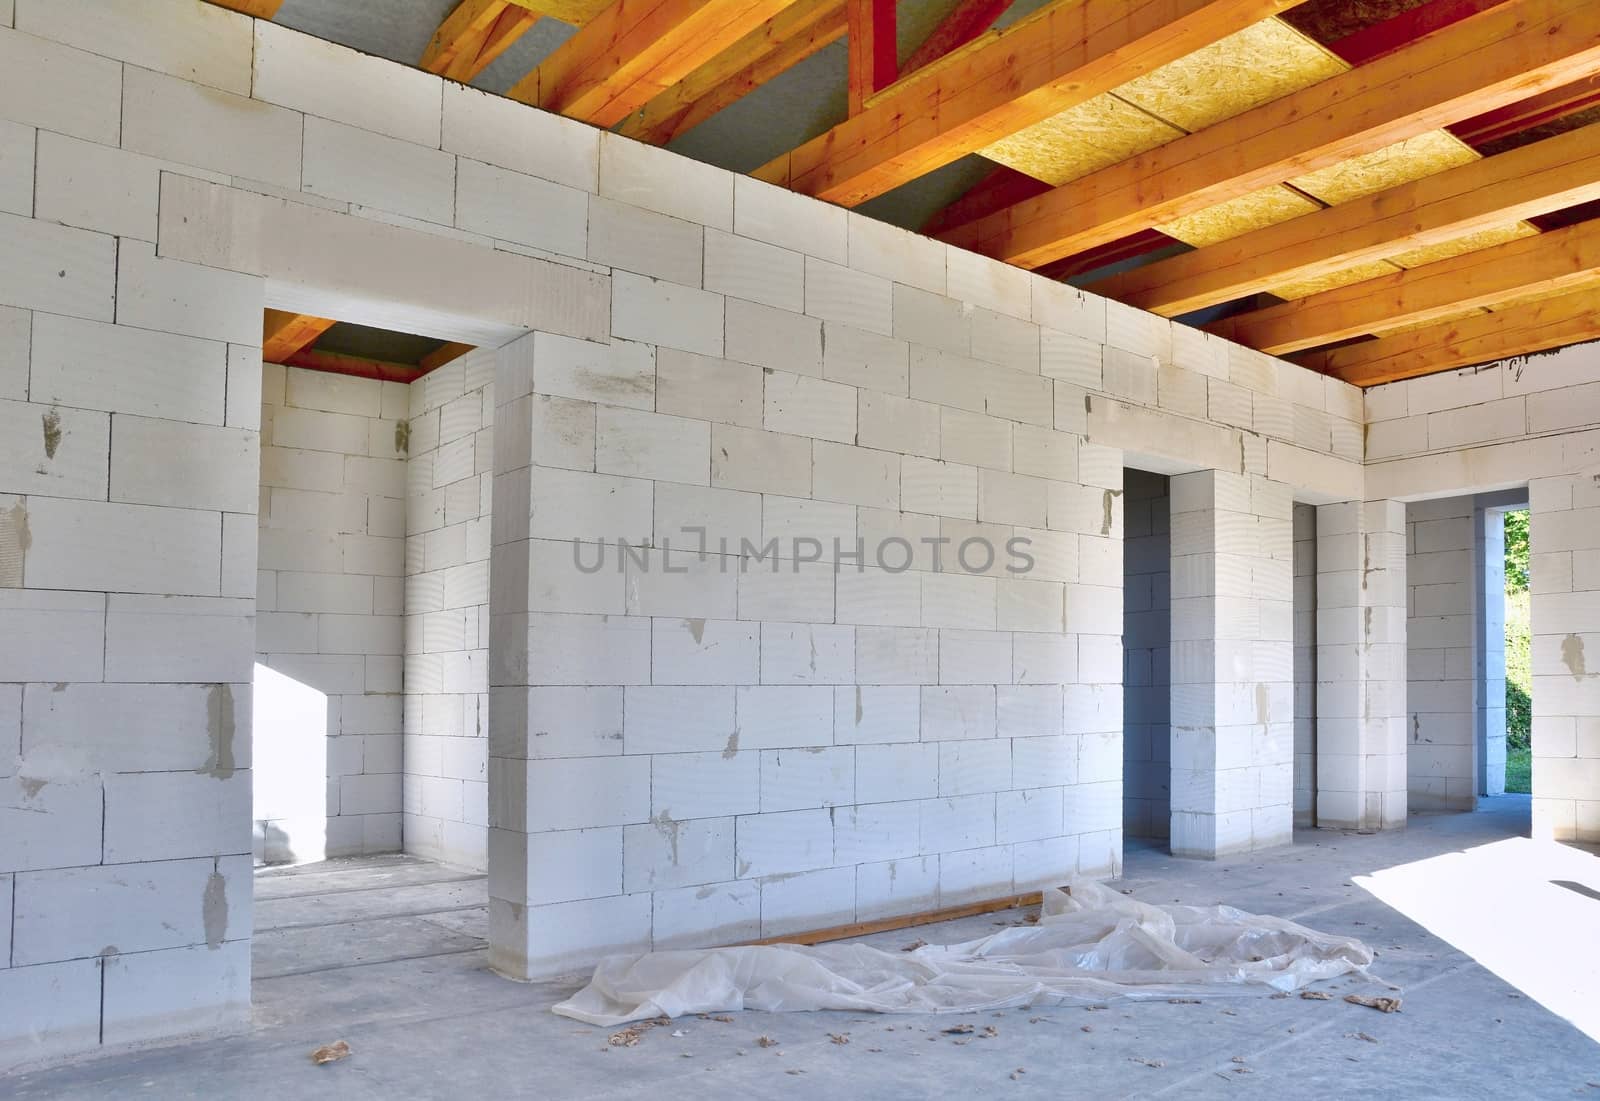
(1313, 284)
(1388, 167)
(1261, 63)
(1096, 134)
(1499, 235)
(1266, 207)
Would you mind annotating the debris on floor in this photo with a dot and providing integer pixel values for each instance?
(1316, 995)
(1091, 943)
(330, 1053)
(1379, 1002)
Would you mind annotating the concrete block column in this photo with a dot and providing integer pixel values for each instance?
(1564, 576)
(1361, 665)
(560, 653)
(1232, 664)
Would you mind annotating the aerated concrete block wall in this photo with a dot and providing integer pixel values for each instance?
(1441, 654)
(1533, 422)
(328, 615)
(1305, 663)
(674, 757)
(449, 434)
(1147, 637)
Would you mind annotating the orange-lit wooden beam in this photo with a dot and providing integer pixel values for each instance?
(632, 52)
(1001, 82)
(873, 59)
(966, 21)
(1547, 263)
(779, 44)
(443, 354)
(261, 9)
(1553, 174)
(1517, 330)
(1496, 57)
(283, 334)
(473, 35)
(336, 363)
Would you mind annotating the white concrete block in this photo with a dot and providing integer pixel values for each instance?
(836, 293)
(802, 406)
(680, 584)
(666, 183)
(984, 281)
(880, 598)
(876, 714)
(573, 864)
(643, 242)
(687, 786)
(805, 653)
(164, 462)
(868, 360)
(155, 995)
(789, 220)
(705, 652)
(938, 488)
(321, 78)
(855, 475)
(958, 713)
(38, 252)
(959, 600)
(665, 313)
(698, 917)
(633, 443)
(1005, 340)
(897, 887)
(723, 514)
(784, 716)
(46, 84)
(524, 139)
(570, 504)
(801, 593)
(974, 657)
(64, 1016)
(1011, 499)
(47, 825)
(105, 901)
(172, 815)
(1067, 309)
(124, 548)
(965, 822)
(799, 779)
(773, 338)
(969, 768)
(932, 320)
(894, 772)
(184, 124)
(127, 370)
(743, 268)
(897, 254)
(783, 843)
(711, 389)
(575, 793)
(671, 853)
(52, 636)
(900, 656)
(897, 424)
(359, 166)
(809, 900)
(566, 649)
(765, 462)
(619, 373)
(172, 639)
(15, 326)
(199, 44)
(97, 187)
(49, 450)
(175, 297)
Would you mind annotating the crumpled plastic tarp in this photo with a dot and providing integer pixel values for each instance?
(1091, 944)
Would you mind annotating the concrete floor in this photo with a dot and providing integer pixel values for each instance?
(387, 954)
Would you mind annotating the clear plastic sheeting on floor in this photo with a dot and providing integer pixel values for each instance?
(1091, 944)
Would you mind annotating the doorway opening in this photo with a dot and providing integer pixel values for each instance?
(1146, 642)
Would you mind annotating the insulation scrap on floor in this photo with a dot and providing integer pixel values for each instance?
(1091, 944)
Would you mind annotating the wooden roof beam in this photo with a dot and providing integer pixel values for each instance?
(261, 9)
(1002, 82)
(1548, 262)
(1553, 174)
(1571, 318)
(779, 44)
(283, 334)
(1510, 51)
(632, 52)
(473, 35)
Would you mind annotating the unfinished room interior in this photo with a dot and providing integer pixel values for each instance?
(606, 548)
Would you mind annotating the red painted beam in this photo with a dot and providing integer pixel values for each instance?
(1386, 37)
(969, 19)
(874, 57)
(360, 367)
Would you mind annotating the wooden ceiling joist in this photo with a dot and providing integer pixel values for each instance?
(473, 35)
(1538, 265)
(873, 60)
(283, 334)
(1553, 174)
(778, 45)
(1482, 338)
(1000, 83)
(337, 363)
(630, 53)
(1509, 52)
